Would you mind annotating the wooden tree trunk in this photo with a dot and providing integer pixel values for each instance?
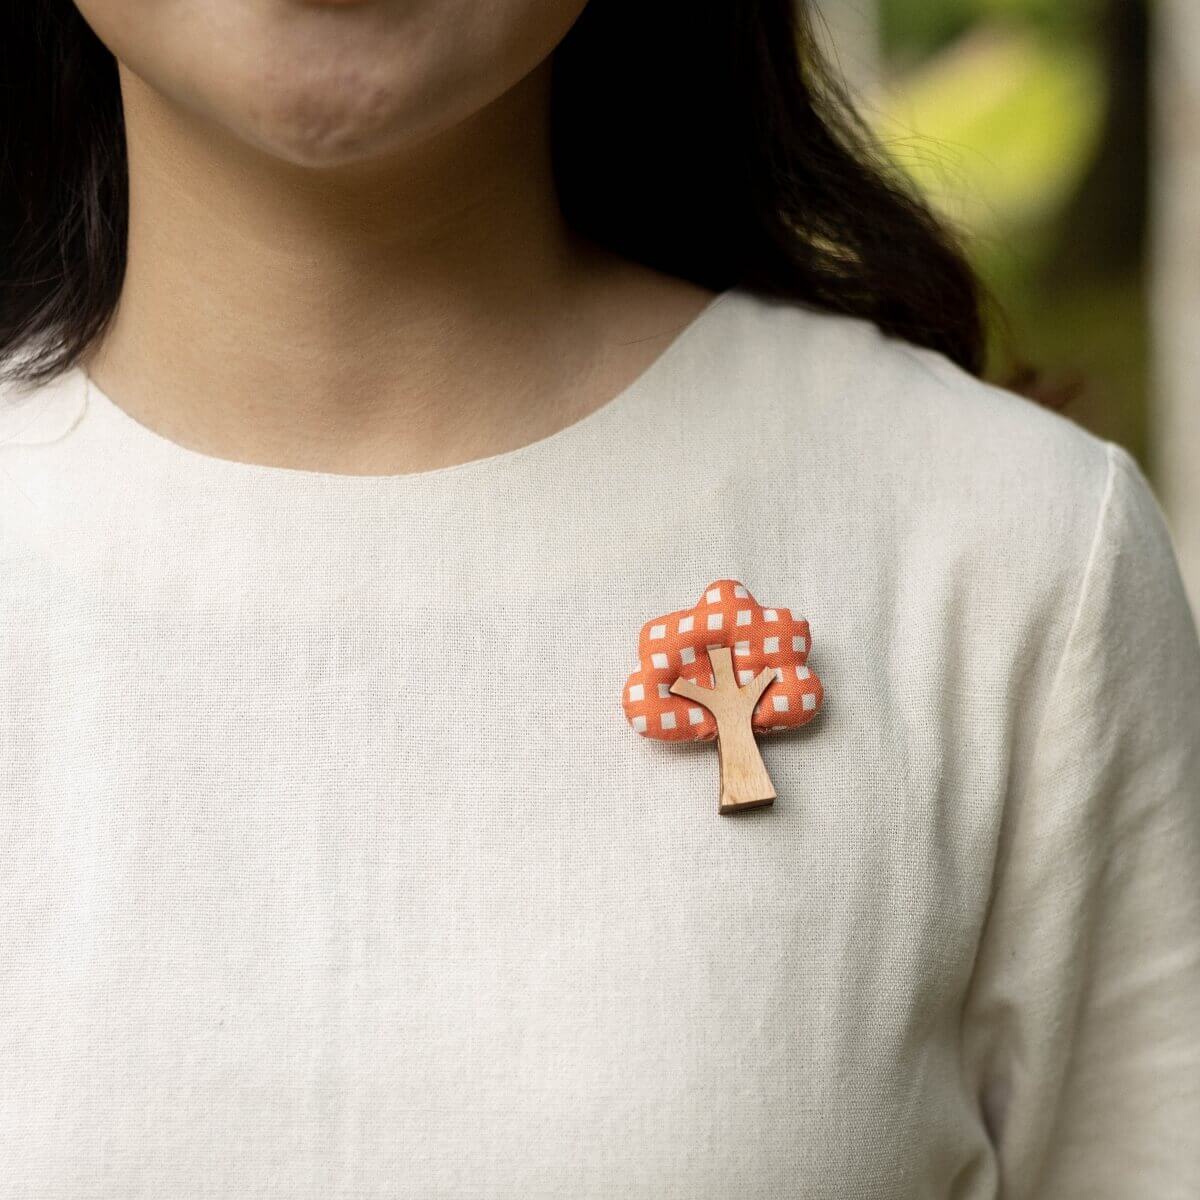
(744, 779)
(1175, 279)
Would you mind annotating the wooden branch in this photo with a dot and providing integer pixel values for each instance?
(744, 779)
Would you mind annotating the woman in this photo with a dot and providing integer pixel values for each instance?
(375, 371)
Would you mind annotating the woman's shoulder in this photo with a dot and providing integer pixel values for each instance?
(36, 412)
(841, 379)
(885, 426)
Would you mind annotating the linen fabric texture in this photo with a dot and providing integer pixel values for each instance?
(330, 867)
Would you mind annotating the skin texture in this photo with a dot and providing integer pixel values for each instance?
(345, 250)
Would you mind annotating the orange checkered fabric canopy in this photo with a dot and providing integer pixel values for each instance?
(676, 645)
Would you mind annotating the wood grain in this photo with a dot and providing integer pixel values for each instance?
(744, 779)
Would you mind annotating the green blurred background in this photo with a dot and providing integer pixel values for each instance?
(1025, 122)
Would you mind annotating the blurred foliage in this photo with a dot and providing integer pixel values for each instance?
(998, 110)
(915, 29)
(997, 130)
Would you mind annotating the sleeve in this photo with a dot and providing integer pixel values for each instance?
(1081, 1027)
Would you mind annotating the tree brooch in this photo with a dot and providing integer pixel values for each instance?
(725, 669)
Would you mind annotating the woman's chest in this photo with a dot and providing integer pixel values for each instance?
(304, 910)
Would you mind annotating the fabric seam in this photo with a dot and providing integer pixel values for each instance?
(1098, 535)
(1018, 798)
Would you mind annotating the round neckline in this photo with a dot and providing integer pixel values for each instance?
(151, 444)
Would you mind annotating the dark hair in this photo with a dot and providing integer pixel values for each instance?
(704, 138)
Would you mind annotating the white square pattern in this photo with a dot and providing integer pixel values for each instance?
(716, 621)
(747, 647)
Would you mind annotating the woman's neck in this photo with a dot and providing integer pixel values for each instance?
(376, 317)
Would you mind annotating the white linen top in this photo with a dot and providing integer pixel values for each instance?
(331, 868)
